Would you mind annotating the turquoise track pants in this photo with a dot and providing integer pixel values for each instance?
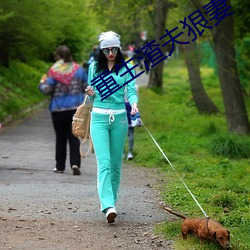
(108, 136)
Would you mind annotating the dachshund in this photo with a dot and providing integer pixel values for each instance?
(204, 229)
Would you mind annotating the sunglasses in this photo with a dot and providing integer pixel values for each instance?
(106, 51)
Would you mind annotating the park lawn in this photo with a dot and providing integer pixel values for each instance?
(220, 183)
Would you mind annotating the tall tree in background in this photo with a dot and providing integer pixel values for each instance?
(192, 58)
(156, 73)
(233, 98)
(202, 101)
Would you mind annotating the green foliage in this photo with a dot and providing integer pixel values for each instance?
(224, 200)
(19, 87)
(241, 17)
(242, 35)
(41, 29)
(231, 146)
(219, 183)
(243, 61)
(134, 16)
(170, 230)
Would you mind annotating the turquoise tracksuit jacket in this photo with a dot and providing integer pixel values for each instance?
(115, 100)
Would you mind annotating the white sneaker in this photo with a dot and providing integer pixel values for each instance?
(58, 171)
(111, 214)
(130, 156)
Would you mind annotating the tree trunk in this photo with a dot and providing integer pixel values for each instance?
(201, 99)
(233, 98)
(156, 73)
(235, 109)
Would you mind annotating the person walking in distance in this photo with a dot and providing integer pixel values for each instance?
(65, 83)
(131, 129)
(109, 123)
(130, 133)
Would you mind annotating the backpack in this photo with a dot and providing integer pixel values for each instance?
(81, 126)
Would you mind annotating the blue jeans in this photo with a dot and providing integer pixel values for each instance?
(108, 139)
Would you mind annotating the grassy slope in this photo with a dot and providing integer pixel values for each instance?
(19, 88)
(220, 184)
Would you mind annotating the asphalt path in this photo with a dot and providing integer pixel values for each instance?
(26, 164)
(31, 190)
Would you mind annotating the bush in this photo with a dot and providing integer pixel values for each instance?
(19, 88)
(224, 200)
(231, 146)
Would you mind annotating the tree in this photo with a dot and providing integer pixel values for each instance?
(201, 99)
(223, 38)
(192, 58)
(156, 73)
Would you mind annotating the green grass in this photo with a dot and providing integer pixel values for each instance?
(214, 164)
(19, 88)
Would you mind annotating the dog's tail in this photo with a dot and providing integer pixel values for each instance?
(175, 213)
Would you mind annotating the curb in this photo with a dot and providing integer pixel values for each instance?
(22, 114)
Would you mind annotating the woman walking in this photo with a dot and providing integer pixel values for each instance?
(109, 123)
(65, 84)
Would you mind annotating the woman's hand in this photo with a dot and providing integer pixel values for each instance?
(134, 109)
(43, 79)
(90, 91)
